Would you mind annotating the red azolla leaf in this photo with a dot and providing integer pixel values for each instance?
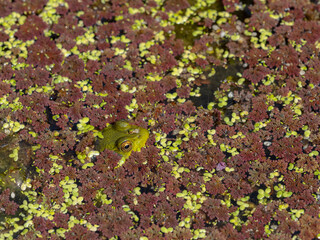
(289, 54)
(239, 49)
(118, 184)
(214, 233)
(224, 131)
(62, 122)
(201, 62)
(81, 232)
(312, 210)
(173, 187)
(215, 186)
(78, 5)
(310, 99)
(192, 181)
(40, 77)
(287, 148)
(4, 37)
(214, 156)
(179, 233)
(37, 102)
(73, 68)
(215, 210)
(276, 40)
(288, 118)
(310, 226)
(10, 207)
(107, 160)
(44, 52)
(76, 111)
(257, 222)
(147, 203)
(259, 172)
(32, 27)
(292, 83)
(286, 224)
(194, 144)
(92, 67)
(275, 127)
(254, 56)
(176, 5)
(168, 83)
(275, 59)
(164, 61)
(43, 225)
(231, 233)
(70, 21)
(281, 6)
(199, 221)
(6, 72)
(96, 116)
(256, 74)
(175, 45)
(291, 70)
(53, 193)
(312, 74)
(167, 123)
(112, 221)
(300, 200)
(5, 8)
(205, 121)
(261, 20)
(308, 163)
(237, 186)
(42, 160)
(22, 81)
(62, 10)
(123, 100)
(66, 41)
(30, 7)
(89, 17)
(191, 159)
(230, 5)
(302, 30)
(259, 109)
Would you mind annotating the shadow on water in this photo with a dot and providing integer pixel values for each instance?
(13, 172)
(214, 82)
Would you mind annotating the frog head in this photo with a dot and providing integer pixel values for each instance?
(123, 138)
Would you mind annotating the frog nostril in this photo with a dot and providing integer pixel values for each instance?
(132, 131)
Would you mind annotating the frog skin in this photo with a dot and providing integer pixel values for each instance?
(123, 138)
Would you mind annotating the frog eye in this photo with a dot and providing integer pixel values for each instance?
(126, 146)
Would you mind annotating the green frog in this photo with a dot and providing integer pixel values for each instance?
(123, 138)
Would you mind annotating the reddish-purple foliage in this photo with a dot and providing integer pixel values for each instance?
(258, 220)
(112, 221)
(176, 5)
(81, 232)
(256, 74)
(41, 224)
(230, 5)
(9, 206)
(33, 7)
(54, 114)
(73, 68)
(215, 210)
(292, 145)
(259, 109)
(32, 27)
(44, 52)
